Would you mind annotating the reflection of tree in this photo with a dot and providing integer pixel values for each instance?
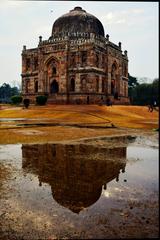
(75, 172)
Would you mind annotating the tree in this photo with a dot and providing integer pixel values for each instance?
(132, 81)
(14, 91)
(155, 90)
(132, 84)
(16, 99)
(145, 93)
(6, 92)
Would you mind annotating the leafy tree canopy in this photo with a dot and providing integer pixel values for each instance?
(6, 92)
(143, 93)
(132, 81)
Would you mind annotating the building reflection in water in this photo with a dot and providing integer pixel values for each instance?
(75, 172)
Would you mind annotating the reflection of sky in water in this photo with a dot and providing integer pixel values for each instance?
(139, 182)
(11, 153)
(142, 164)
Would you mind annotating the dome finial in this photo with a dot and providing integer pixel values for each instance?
(78, 9)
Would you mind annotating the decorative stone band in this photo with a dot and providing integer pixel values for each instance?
(72, 40)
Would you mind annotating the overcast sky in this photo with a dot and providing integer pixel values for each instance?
(135, 24)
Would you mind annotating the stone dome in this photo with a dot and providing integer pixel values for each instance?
(77, 20)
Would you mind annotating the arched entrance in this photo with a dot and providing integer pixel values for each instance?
(72, 85)
(36, 86)
(114, 80)
(51, 75)
(54, 87)
(112, 87)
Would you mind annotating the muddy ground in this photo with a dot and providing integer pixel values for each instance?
(71, 122)
(76, 172)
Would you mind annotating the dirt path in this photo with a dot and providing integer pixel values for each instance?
(69, 122)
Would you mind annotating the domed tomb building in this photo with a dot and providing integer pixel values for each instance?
(78, 64)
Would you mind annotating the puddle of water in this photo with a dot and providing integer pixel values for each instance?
(12, 119)
(79, 191)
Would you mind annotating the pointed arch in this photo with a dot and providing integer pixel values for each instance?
(36, 86)
(72, 85)
(51, 74)
(114, 79)
(27, 83)
(54, 88)
(103, 85)
(50, 59)
(54, 70)
(112, 87)
(97, 84)
(114, 70)
(83, 83)
(52, 66)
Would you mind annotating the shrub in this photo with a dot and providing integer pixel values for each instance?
(16, 99)
(26, 102)
(41, 100)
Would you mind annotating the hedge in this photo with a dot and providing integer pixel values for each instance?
(16, 99)
(41, 100)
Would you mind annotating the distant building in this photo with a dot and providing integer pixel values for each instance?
(77, 64)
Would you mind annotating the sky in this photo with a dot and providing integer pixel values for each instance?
(135, 24)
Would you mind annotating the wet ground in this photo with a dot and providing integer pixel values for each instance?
(100, 188)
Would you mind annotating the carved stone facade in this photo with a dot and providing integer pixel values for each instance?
(77, 64)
